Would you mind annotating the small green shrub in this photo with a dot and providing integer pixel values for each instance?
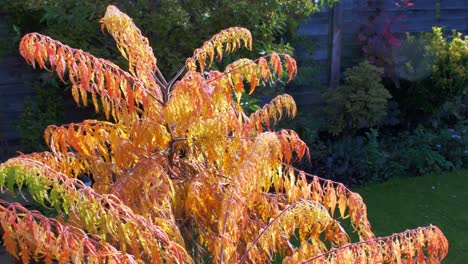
(361, 103)
(450, 114)
(450, 72)
(452, 143)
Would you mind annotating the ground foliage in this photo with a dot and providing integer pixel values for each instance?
(181, 174)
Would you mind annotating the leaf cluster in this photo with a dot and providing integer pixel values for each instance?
(377, 34)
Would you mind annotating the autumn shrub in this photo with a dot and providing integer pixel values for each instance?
(181, 174)
(361, 103)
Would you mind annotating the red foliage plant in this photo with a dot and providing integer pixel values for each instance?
(181, 173)
(376, 30)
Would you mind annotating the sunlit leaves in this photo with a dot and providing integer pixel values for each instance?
(257, 71)
(133, 46)
(118, 90)
(406, 247)
(43, 239)
(228, 40)
(331, 195)
(278, 108)
(103, 215)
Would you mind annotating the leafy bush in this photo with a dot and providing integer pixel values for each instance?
(426, 150)
(450, 114)
(361, 103)
(272, 23)
(432, 71)
(452, 144)
(353, 160)
(181, 173)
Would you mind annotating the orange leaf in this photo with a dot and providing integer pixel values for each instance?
(253, 82)
(329, 200)
(264, 69)
(291, 66)
(342, 200)
(275, 61)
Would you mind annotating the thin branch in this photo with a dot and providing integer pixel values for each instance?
(159, 82)
(161, 76)
(171, 82)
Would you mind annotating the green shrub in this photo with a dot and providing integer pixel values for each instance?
(432, 71)
(452, 143)
(75, 22)
(361, 103)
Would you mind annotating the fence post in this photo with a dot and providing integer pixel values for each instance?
(335, 44)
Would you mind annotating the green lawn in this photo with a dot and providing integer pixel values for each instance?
(406, 203)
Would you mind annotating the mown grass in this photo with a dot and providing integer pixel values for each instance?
(406, 203)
